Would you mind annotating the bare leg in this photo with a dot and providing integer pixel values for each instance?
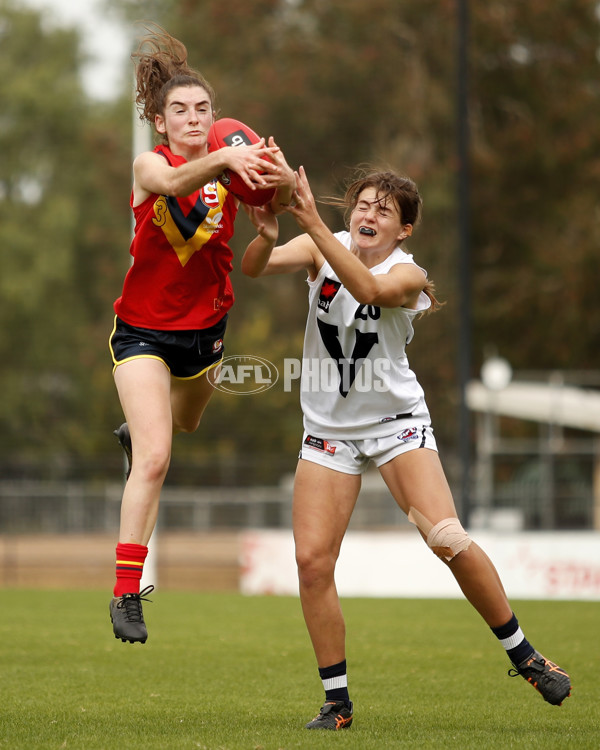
(155, 406)
(416, 480)
(144, 391)
(479, 581)
(323, 503)
(189, 399)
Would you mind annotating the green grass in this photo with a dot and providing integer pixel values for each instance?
(225, 672)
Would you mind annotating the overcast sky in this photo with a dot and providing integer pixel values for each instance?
(105, 40)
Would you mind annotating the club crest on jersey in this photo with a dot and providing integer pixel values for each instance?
(319, 444)
(410, 433)
(328, 291)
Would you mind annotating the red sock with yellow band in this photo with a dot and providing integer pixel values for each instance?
(130, 565)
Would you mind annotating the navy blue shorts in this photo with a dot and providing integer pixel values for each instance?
(186, 354)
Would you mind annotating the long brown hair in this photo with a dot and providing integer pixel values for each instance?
(388, 186)
(161, 64)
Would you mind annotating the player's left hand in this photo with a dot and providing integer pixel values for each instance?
(264, 220)
(302, 206)
(286, 179)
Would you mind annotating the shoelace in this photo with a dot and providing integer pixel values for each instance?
(539, 665)
(131, 603)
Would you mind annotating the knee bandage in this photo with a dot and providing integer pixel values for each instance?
(446, 539)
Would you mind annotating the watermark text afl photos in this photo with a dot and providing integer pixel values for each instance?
(248, 374)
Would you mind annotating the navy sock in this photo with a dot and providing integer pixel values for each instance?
(514, 642)
(335, 682)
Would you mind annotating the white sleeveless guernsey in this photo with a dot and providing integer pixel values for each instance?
(356, 381)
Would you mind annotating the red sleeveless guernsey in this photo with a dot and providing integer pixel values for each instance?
(179, 278)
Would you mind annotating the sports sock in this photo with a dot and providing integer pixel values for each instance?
(335, 682)
(130, 565)
(514, 642)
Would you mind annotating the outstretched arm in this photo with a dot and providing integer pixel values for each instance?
(264, 258)
(255, 164)
(400, 287)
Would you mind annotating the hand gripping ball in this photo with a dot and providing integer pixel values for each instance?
(230, 132)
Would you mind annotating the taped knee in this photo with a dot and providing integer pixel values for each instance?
(446, 539)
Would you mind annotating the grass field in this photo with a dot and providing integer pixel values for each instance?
(224, 672)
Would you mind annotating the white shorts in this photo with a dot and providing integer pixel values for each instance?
(353, 456)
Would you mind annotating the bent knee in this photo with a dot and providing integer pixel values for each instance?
(313, 566)
(446, 539)
(188, 423)
(153, 467)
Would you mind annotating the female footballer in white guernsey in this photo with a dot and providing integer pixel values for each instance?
(367, 405)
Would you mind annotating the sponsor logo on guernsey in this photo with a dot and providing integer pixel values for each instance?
(329, 289)
(319, 444)
(213, 223)
(410, 433)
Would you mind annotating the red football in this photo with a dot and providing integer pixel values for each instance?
(230, 132)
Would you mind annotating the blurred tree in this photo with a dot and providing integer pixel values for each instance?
(55, 224)
(536, 162)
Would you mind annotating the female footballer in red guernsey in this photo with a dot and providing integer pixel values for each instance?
(365, 292)
(171, 317)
